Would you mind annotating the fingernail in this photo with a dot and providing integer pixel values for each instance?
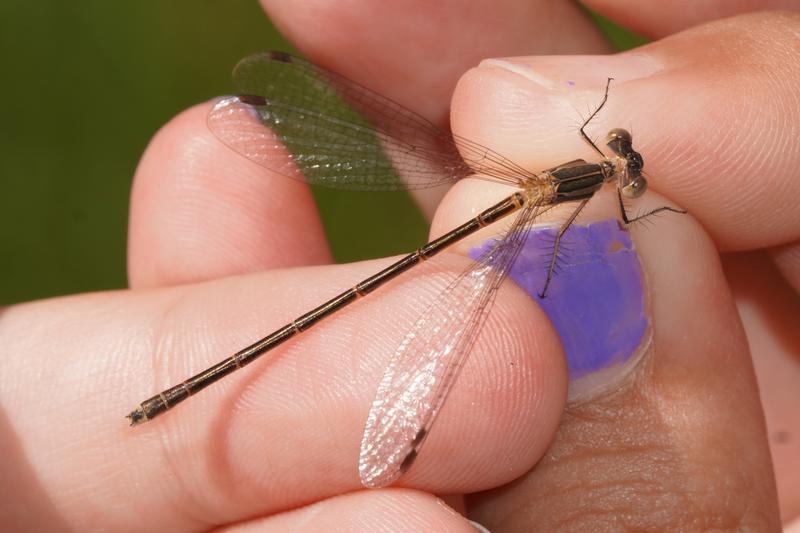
(580, 72)
(595, 300)
(479, 528)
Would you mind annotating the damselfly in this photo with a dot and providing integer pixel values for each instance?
(311, 124)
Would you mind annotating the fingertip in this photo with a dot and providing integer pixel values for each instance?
(512, 109)
(517, 368)
(653, 18)
(377, 510)
(200, 211)
(505, 407)
(718, 143)
(427, 44)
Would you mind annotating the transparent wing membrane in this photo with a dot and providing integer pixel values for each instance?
(307, 123)
(425, 366)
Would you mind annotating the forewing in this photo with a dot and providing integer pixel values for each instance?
(308, 123)
(423, 369)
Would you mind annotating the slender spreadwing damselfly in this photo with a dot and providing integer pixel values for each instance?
(310, 124)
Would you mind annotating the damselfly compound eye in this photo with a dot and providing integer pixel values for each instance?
(619, 134)
(635, 188)
(620, 142)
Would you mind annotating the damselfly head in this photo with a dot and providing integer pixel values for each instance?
(621, 143)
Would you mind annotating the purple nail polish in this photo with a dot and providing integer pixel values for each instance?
(596, 299)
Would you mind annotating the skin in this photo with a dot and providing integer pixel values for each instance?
(682, 443)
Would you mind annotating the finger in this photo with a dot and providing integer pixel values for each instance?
(191, 219)
(656, 19)
(384, 510)
(414, 52)
(769, 309)
(431, 44)
(201, 211)
(278, 435)
(659, 451)
(712, 110)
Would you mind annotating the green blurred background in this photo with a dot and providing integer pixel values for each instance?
(85, 86)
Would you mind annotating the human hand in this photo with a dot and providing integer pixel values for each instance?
(286, 435)
(707, 109)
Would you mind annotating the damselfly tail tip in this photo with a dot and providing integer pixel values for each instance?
(137, 416)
